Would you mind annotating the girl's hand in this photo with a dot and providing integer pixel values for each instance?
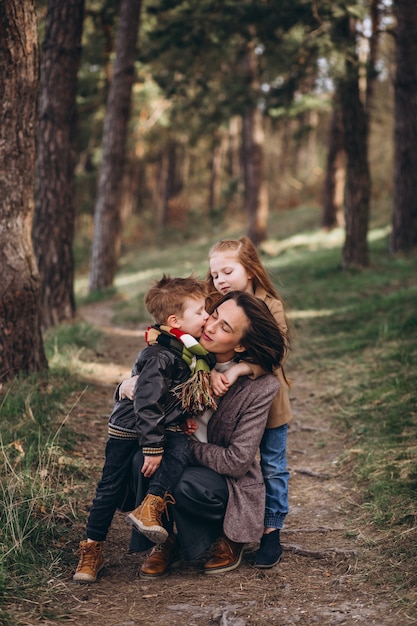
(219, 383)
(238, 369)
(150, 465)
(127, 388)
(190, 426)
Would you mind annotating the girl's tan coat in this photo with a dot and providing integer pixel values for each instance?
(280, 411)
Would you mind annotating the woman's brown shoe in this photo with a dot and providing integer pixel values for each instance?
(226, 556)
(160, 559)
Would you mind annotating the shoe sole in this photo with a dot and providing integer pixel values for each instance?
(156, 534)
(153, 576)
(86, 578)
(269, 565)
(227, 568)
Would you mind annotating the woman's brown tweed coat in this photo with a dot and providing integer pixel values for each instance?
(234, 434)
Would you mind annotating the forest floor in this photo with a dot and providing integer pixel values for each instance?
(333, 572)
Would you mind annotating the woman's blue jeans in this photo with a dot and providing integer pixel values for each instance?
(273, 450)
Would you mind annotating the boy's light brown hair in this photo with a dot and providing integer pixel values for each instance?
(167, 296)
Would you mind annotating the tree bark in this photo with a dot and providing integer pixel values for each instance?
(218, 151)
(107, 222)
(404, 219)
(21, 346)
(358, 181)
(174, 179)
(256, 192)
(332, 198)
(233, 161)
(53, 230)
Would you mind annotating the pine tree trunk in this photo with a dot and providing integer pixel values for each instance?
(107, 223)
(233, 160)
(358, 181)
(218, 150)
(21, 346)
(174, 182)
(404, 221)
(256, 192)
(159, 186)
(53, 229)
(331, 195)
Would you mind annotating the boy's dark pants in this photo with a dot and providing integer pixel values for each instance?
(114, 482)
(111, 488)
(176, 458)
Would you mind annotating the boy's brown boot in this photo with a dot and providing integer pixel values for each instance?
(160, 559)
(147, 517)
(90, 563)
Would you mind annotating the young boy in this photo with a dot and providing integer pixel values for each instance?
(153, 420)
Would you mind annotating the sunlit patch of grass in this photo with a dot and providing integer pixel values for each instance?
(85, 297)
(70, 336)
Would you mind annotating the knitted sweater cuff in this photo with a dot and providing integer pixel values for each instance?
(146, 451)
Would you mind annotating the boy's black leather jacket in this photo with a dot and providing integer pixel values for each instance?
(154, 406)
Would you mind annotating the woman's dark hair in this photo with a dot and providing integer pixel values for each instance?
(263, 340)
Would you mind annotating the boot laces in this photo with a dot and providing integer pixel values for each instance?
(161, 505)
(89, 556)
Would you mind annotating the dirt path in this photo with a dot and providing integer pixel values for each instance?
(329, 571)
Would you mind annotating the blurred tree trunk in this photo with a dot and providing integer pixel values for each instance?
(355, 91)
(107, 222)
(256, 193)
(53, 229)
(218, 151)
(21, 346)
(233, 165)
(284, 157)
(233, 154)
(355, 131)
(404, 220)
(358, 181)
(158, 186)
(332, 198)
(174, 179)
(304, 159)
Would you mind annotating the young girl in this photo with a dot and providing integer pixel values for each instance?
(235, 265)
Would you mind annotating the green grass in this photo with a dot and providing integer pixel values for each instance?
(360, 331)
(37, 504)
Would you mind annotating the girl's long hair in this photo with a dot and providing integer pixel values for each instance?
(247, 255)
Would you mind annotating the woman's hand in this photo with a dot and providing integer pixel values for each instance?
(127, 388)
(150, 465)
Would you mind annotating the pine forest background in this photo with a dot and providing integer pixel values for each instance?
(146, 121)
